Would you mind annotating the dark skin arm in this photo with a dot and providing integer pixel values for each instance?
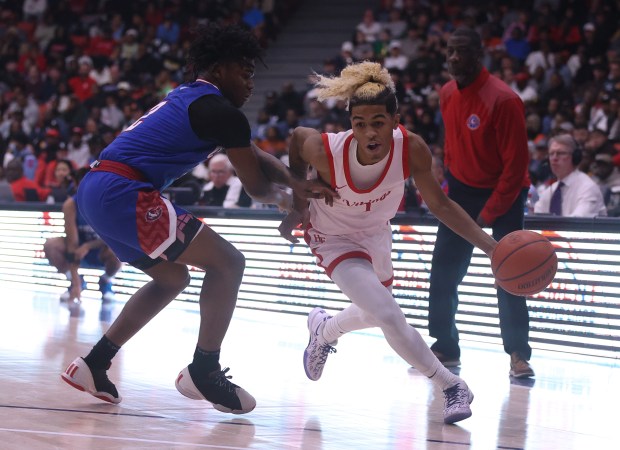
(264, 177)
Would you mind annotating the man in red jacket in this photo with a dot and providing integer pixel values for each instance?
(486, 160)
(24, 190)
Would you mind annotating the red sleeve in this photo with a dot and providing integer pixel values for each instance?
(39, 175)
(49, 178)
(511, 136)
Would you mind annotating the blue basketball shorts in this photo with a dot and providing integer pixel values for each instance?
(140, 225)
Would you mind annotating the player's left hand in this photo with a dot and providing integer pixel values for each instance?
(291, 222)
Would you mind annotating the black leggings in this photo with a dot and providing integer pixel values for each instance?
(451, 259)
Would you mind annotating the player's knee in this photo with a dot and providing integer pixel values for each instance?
(232, 261)
(384, 317)
(177, 278)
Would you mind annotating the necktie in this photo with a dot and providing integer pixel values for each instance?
(555, 207)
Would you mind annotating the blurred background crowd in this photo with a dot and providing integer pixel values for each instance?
(75, 73)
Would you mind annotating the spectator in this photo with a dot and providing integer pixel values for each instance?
(111, 115)
(129, 45)
(543, 58)
(574, 194)
(369, 27)
(224, 188)
(523, 89)
(63, 185)
(395, 23)
(6, 193)
(83, 85)
(345, 57)
(395, 58)
(411, 42)
(273, 143)
(168, 31)
(77, 149)
(288, 99)
(606, 175)
(363, 49)
(24, 190)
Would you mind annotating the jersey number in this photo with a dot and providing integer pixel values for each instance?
(141, 119)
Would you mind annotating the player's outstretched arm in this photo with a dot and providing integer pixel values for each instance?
(447, 211)
(279, 173)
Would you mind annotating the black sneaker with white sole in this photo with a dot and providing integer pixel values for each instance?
(216, 389)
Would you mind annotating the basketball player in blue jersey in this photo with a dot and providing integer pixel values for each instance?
(121, 199)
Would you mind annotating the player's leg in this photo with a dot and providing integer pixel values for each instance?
(151, 242)
(357, 280)
(111, 265)
(204, 378)
(90, 373)
(55, 251)
(168, 280)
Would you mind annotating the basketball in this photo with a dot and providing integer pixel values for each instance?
(524, 262)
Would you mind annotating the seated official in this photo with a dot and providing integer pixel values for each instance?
(574, 194)
(224, 188)
(81, 247)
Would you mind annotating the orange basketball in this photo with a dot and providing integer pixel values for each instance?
(524, 262)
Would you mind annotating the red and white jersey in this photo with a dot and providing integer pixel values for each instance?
(360, 209)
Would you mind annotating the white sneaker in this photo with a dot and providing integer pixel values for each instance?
(108, 297)
(318, 350)
(65, 296)
(457, 401)
(216, 389)
(96, 383)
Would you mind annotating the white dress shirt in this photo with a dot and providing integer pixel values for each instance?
(581, 197)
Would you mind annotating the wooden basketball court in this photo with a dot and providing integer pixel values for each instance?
(368, 398)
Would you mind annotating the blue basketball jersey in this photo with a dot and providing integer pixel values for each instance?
(161, 144)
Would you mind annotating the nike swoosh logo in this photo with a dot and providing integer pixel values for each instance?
(341, 187)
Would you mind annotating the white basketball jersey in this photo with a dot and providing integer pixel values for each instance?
(360, 209)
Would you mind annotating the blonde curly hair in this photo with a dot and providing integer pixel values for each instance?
(364, 83)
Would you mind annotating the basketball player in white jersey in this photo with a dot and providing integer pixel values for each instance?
(352, 240)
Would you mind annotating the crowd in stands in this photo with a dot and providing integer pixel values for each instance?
(76, 73)
(561, 57)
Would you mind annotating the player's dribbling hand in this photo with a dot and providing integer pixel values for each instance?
(291, 222)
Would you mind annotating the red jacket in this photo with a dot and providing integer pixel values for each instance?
(486, 140)
(27, 190)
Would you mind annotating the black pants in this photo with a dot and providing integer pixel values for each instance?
(451, 259)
